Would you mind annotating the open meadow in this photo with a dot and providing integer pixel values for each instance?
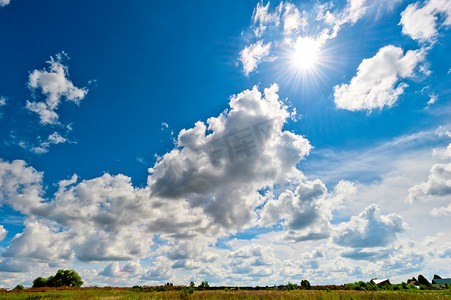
(129, 293)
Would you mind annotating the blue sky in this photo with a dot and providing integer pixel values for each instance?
(238, 142)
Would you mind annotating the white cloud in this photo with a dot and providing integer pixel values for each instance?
(130, 269)
(55, 85)
(21, 186)
(377, 82)
(351, 13)
(369, 229)
(246, 151)
(53, 139)
(262, 17)
(159, 271)
(433, 98)
(206, 187)
(4, 2)
(438, 184)
(3, 233)
(11, 265)
(38, 241)
(437, 187)
(421, 22)
(252, 261)
(292, 19)
(252, 55)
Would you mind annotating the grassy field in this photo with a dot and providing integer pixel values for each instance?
(124, 293)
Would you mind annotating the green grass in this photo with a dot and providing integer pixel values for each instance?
(126, 293)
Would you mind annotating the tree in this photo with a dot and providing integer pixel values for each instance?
(39, 282)
(19, 287)
(62, 277)
(305, 284)
(204, 285)
(191, 284)
(422, 280)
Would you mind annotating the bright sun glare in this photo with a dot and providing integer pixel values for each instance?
(306, 53)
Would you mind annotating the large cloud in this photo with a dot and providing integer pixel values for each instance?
(369, 229)
(244, 151)
(377, 82)
(208, 186)
(55, 85)
(420, 22)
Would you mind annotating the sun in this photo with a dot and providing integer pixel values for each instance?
(306, 52)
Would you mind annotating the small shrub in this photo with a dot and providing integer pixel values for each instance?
(19, 287)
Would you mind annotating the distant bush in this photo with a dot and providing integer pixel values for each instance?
(367, 286)
(290, 286)
(19, 287)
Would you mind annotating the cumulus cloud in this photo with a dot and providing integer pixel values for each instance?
(245, 151)
(38, 241)
(369, 229)
(421, 22)
(377, 82)
(55, 85)
(4, 2)
(306, 213)
(438, 184)
(252, 55)
(160, 270)
(207, 186)
(21, 186)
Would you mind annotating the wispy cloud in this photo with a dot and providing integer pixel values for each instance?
(252, 55)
